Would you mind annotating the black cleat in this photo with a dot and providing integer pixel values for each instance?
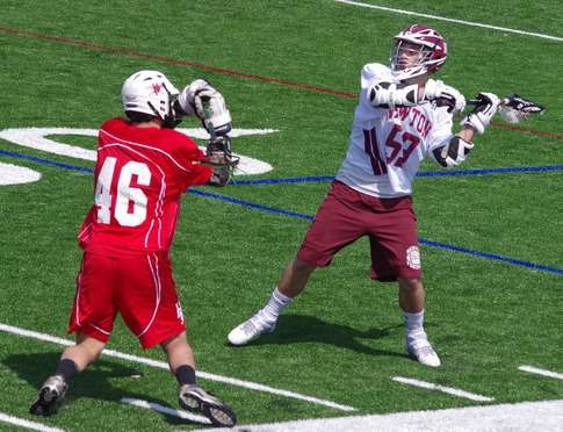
(193, 398)
(50, 397)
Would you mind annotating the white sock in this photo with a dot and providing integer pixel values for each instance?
(275, 305)
(414, 325)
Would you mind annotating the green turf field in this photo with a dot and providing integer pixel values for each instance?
(492, 253)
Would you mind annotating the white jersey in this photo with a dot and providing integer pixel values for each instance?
(387, 145)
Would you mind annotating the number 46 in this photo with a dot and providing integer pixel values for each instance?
(126, 194)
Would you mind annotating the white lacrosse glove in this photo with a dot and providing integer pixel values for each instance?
(433, 89)
(203, 100)
(454, 153)
(451, 98)
(483, 112)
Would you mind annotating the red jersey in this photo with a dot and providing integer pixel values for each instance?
(140, 176)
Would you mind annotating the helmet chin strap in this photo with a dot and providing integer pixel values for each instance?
(154, 110)
(170, 120)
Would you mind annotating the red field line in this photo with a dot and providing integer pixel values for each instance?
(92, 46)
(532, 132)
(139, 54)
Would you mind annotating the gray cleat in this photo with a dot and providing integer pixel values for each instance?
(193, 398)
(50, 396)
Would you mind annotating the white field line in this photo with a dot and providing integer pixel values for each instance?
(452, 20)
(27, 424)
(543, 372)
(162, 365)
(166, 410)
(448, 390)
(544, 416)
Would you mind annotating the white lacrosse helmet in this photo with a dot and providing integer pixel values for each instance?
(149, 92)
(432, 51)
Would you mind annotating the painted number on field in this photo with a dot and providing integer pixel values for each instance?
(41, 139)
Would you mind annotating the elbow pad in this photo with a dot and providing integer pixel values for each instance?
(453, 153)
(387, 95)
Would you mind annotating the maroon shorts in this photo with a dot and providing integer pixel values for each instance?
(346, 215)
(139, 287)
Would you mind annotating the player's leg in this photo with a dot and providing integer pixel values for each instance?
(85, 352)
(333, 228)
(411, 300)
(292, 283)
(148, 302)
(396, 257)
(74, 359)
(295, 277)
(92, 319)
(190, 395)
(411, 295)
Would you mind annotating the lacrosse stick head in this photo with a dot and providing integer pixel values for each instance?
(515, 108)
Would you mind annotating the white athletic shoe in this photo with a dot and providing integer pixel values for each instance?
(421, 351)
(250, 330)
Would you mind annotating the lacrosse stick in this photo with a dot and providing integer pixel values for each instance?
(514, 108)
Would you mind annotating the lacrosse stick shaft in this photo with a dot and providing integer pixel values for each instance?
(477, 102)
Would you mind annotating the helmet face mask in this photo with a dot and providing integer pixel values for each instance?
(418, 50)
(152, 94)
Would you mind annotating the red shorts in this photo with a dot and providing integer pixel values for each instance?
(346, 215)
(139, 287)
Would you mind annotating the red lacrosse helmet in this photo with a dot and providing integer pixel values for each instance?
(425, 44)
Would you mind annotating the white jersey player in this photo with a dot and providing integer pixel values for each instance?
(402, 117)
(388, 144)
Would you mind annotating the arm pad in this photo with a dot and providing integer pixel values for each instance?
(453, 153)
(387, 95)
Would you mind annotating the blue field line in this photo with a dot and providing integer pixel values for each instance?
(47, 161)
(483, 171)
(303, 179)
(445, 173)
(425, 242)
(308, 179)
(495, 257)
(305, 216)
(251, 205)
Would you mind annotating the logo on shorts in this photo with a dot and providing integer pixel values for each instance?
(413, 257)
(179, 312)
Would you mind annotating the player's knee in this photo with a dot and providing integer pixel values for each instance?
(410, 284)
(174, 342)
(86, 351)
(302, 266)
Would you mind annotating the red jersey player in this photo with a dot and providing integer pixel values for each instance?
(142, 169)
